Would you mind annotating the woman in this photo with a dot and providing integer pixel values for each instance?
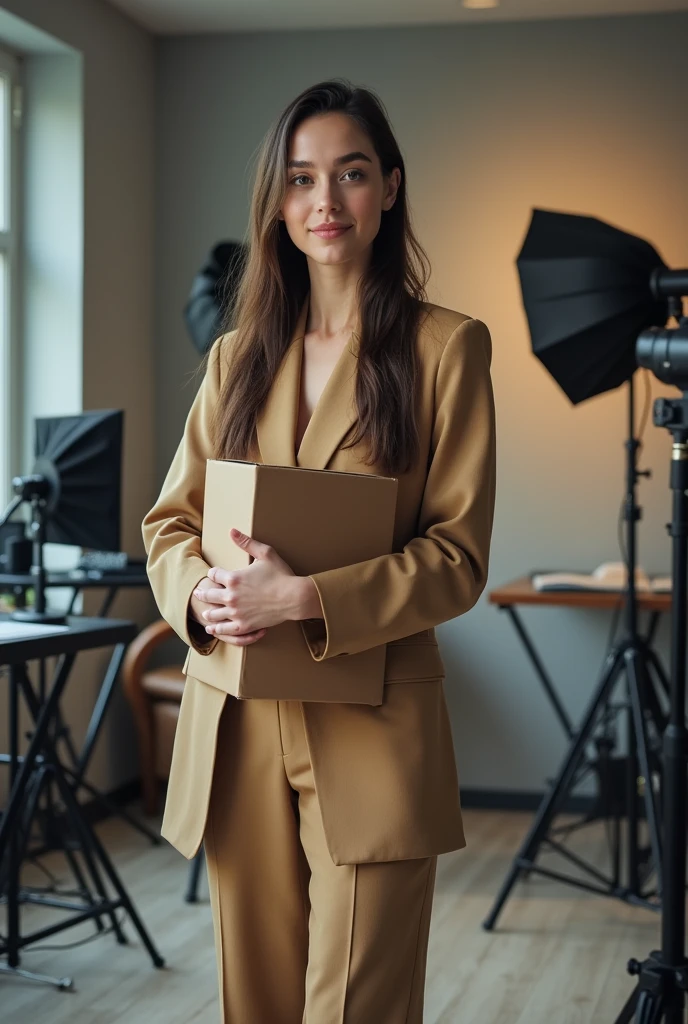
(322, 822)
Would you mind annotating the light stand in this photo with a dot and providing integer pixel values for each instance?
(663, 976)
(591, 293)
(660, 993)
(633, 657)
(36, 489)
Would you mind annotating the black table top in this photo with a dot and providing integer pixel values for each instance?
(83, 634)
(79, 578)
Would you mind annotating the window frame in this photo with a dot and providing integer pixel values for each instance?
(10, 394)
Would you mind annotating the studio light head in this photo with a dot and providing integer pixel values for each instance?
(664, 350)
(589, 290)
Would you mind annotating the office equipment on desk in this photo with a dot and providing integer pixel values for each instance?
(74, 492)
(28, 773)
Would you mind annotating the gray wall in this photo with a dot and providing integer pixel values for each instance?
(583, 116)
(114, 327)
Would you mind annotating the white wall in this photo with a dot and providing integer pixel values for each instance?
(53, 241)
(583, 116)
(97, 248)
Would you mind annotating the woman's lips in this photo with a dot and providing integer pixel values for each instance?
(330, 232)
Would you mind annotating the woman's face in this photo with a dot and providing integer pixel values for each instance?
(334, 177)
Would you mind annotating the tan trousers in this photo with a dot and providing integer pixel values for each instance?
(300, 940)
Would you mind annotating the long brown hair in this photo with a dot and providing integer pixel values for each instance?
(275, 280)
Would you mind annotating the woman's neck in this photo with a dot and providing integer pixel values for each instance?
(333, 307)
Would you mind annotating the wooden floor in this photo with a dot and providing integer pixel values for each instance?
(557, 957)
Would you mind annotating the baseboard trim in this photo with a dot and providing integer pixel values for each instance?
(518, 800)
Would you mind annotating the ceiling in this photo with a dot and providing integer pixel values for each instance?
(180, 17)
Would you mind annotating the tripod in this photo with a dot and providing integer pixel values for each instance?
(663, 977)
(646, 682)
(41, 764)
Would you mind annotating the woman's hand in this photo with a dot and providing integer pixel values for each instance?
(244, 603)
(197, 607)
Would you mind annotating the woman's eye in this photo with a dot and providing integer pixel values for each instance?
(296, 180)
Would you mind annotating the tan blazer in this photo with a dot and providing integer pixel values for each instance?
(385, 776)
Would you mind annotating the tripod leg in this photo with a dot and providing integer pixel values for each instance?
(194, 875)
(87, 852)
(44, 743)
(659, 669)
(113, 808)
(628, 1012)
(560, 786)
(72, 860)
(636, 683)
(653, 690)
(92, 840)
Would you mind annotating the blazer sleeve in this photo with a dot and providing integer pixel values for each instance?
(172, 529)
(441, 572)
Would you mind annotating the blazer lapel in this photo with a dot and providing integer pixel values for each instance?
(332, 418)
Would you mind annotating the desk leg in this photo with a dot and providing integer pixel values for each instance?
(13, 866)
(45, 716)
(82, 761)
(99, 710)
(540, 669)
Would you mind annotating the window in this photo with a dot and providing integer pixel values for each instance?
(10, 115)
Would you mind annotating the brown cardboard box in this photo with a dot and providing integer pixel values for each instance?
(315, 520)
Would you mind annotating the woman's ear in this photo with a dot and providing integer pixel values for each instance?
(393, 181)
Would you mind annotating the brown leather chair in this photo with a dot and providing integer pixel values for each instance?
(154, 695)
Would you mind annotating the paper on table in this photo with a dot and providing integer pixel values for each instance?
(27, 630)
(608, 576)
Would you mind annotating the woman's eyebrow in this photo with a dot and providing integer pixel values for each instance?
(347, 158)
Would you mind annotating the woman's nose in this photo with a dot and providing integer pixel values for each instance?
(328, 198)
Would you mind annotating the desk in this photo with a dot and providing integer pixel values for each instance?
(78, 581)
(522, 592)
(41, 760)
(635, 657)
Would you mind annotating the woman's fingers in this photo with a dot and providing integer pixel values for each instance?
(218, 613)
(221, 577)
(213, 595)
(244, 639)
(229, 627)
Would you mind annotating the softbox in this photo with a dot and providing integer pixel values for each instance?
(586, 293)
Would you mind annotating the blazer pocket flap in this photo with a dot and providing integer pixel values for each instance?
(413, 662)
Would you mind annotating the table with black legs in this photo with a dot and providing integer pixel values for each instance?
(510, 598)
(28, 774)
(79, 581)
